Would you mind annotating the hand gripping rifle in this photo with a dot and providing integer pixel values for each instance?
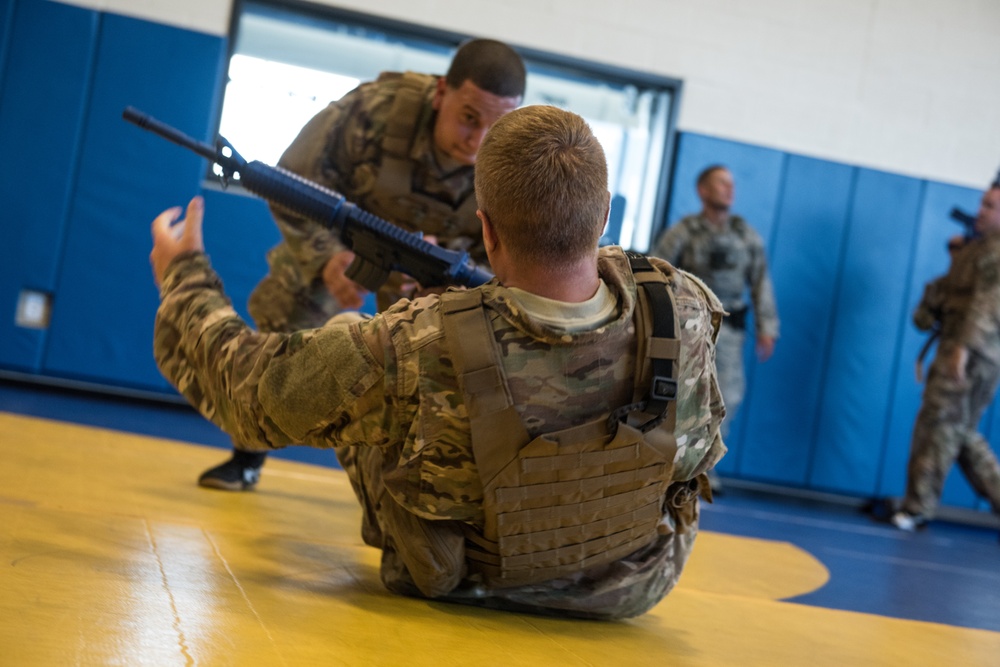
(378, 245)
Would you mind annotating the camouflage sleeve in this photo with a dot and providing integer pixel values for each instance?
(765, 307)
(265, 390)
(671, 243)
(700, 414)
(327, 151)
(980, 328)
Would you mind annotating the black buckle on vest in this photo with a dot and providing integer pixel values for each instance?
(737, 319)
(663, 388)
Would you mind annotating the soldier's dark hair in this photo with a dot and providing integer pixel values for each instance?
(542, 179)
(707, 172)
(490, 65)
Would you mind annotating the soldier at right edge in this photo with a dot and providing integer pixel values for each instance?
(964, 305)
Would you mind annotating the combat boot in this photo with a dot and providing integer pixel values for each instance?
(240, 473)
(908, 522)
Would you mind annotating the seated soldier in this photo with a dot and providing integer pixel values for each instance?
(535, 444)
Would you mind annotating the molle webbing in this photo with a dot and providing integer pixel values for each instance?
(563, 502)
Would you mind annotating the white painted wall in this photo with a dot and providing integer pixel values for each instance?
(907, 86)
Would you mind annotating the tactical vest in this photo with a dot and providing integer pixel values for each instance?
(393, 197)
(581, 497)
(721, 260)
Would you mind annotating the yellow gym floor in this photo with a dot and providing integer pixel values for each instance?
(111, 555)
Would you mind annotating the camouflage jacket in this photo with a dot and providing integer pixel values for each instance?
(728, 261)
(967, 299)
(389, 382)
(342, 148)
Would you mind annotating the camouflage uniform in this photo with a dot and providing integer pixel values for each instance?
(728, 260)
(376, 147)
(384, 394)
(965, 305)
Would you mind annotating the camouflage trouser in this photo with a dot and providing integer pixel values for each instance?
(945, 432)
(729, 368)
(422, 558)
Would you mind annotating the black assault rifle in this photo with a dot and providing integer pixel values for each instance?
(968, 220)
(378, 245)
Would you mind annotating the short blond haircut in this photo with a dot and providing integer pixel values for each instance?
(542, 180)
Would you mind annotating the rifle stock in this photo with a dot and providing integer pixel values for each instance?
(379, 246)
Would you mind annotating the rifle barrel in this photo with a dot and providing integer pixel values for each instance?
(147, 122)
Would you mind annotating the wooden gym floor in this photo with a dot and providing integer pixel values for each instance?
(111, 555)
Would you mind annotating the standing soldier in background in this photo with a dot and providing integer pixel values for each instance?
(403, 148)
(728, 254)
(964, 305)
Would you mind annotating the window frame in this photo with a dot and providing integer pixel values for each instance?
(535, 59)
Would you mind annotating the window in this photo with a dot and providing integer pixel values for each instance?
(290, 60)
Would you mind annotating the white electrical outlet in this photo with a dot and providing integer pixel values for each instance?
(33, 309)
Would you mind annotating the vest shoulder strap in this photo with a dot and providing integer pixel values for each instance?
(497, 430)
(659, 350)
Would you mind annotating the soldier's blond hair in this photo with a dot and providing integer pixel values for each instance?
(542, 179)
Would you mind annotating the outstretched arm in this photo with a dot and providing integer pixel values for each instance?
(266, 390)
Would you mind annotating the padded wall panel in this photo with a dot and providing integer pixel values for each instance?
(47, 58)
(782, 403)
(757, 173)
(868, 313)
(930, 261)
(6, 29)
(102, 325)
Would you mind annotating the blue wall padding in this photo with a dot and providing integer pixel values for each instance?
(6, 29)
(850, 248)
(49, 53)
(103, 316)
(805, 257)
(868, 313)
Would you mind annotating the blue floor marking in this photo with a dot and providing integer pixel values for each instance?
(945, 574)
